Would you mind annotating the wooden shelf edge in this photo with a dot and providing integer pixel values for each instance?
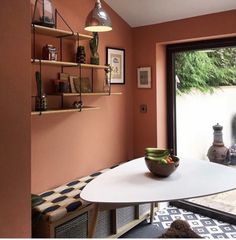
(53, 32)
(56, 63)
(87, 65)
(86, 94)
(69, 64)
(85, 108)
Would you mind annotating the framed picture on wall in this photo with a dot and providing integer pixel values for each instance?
(115, 57)
(144, 77)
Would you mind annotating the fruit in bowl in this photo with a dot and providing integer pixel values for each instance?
(160, 162)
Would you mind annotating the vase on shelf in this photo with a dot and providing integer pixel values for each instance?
(80, 55)
(41, 103)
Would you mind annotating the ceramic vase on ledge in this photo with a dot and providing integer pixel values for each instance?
(218, 153)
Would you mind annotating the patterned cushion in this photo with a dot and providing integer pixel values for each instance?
(65, 199)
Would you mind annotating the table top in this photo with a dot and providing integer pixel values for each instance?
(132, 182)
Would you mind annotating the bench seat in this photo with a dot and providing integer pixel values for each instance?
(65, 199)
(63, 214)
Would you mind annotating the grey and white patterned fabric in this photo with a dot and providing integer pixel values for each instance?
(59, 202)
(203, 226)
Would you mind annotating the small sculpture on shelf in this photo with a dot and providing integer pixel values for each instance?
(78, 104)
(49, 52)
(107, 84)
(41, 99)
(93, 43)
(80, 55)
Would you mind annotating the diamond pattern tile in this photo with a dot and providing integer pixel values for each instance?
(203, 226)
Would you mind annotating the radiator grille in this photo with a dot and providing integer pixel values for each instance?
(75, 228)
(144, 208)
(125, 215)
(103, 228)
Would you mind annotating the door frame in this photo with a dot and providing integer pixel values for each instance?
(171, 82)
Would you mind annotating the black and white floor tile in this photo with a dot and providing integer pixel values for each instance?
(204, 226)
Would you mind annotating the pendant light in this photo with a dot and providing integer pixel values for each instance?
(98, 20)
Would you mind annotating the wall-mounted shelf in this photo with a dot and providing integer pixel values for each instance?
(71, 35)
(85, 108)
(53, 32)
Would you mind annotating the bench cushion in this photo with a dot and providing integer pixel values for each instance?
(59, 202)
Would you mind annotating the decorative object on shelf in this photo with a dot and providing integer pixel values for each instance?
(49, 52)
(218, 153)
(115, 57)
(41, 99)
(86, 85)
(43, 13)
(78, 104)
(93, 44)
(98, 20)
(80, 55)
(72, 85)
(144, 77)
(106, 86)
(62, 86)
(64, 76)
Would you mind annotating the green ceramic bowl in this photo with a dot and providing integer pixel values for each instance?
(161, 169)
(156, 151)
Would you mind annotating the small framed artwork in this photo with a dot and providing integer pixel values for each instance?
(72, 85)
(144, 77)
(86, 85)
(115, 57)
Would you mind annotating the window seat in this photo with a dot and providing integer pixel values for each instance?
(64, 214)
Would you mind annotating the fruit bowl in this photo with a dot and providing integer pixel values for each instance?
(160, 162)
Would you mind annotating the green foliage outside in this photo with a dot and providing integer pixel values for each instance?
(205, 70)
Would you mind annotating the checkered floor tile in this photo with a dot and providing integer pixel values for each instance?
(203, 226)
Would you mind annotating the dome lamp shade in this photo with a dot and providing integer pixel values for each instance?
(98, 20)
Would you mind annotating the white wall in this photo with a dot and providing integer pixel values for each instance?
(197, 113)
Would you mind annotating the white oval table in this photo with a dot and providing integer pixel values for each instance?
(132, 183)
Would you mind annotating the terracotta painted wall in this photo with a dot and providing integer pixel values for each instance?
(149, 50)
(15, 202)
(68, 146)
